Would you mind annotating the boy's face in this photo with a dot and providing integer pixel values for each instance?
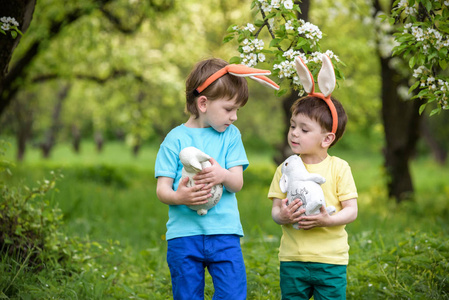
(221, 113)
(305, 136)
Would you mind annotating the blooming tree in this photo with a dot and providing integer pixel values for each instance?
(424, 41)
(289, 37)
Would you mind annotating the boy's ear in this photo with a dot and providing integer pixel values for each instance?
(328, 139)
(201, 102)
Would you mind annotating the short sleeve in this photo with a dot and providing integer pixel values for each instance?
(236, 154)
(275, 189)
(346, 188)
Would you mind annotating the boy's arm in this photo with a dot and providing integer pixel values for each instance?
(231, 178)
(184, 195)
(345, 216)
(286, 214)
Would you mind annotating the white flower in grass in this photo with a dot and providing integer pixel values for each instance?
(261, 57)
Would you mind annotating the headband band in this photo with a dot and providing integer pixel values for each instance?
(332, 108)
(239, 71)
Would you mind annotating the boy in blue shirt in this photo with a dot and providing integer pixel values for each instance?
(215, 91)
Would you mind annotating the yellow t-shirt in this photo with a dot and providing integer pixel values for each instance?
(321, 244)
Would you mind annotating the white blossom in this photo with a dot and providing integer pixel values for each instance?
(5, 26)
(286, 69)
(275, 3)
(331, 54)
(310, 31)
(8, 22)
(288, 4)
(250, 27)
(290, 54)
(289, 25)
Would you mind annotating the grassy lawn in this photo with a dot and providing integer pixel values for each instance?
(115, 226)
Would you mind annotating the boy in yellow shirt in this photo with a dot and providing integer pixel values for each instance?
(313, 259)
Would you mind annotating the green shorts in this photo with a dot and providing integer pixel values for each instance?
(302, 280)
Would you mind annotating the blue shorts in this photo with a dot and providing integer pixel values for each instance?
(302, 280)
(187, 257)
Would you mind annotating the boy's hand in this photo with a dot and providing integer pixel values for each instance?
(285, 213)
(194, 195)
(211, 176)
(320, 220)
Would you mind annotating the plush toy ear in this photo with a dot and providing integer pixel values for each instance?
(196, 165)
(245, 71)
(255, 74)
(240, 71)
(283, 183)
(326, 76)
(305, 76)
(265, 81)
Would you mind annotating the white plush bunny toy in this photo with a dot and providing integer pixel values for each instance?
(194, 160)
(298, 183)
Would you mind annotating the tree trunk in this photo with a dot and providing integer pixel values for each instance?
(401, 125)
(76, 138)
(136, 149)
(99, 140)
(50, 136)
(23, 117)
(22, 11)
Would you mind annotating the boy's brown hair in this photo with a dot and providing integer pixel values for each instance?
(227, 86)
(317, 109)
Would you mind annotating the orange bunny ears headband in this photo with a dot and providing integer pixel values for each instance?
(326, 83)
(240, 71)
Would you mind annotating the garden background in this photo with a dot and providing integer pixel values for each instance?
(91, 90)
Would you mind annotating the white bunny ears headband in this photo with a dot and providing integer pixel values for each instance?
(326, 83)
(240, 71)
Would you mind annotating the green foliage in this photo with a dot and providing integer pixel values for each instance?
(413, 265)
(423, 40)
(103, 174)
(29, 224)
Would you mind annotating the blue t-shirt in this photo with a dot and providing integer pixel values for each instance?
(227, 149)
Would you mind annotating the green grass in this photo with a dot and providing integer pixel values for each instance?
(116, 227)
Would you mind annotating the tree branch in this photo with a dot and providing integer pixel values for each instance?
(101, 80)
